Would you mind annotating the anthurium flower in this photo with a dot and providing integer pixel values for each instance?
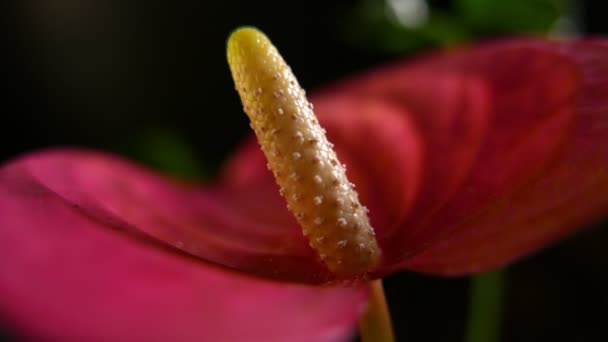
(466, 159)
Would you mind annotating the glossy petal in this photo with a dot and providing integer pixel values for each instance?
(565, 191)
(66, 277)
(244, 228)
(501, 150)
(519, 162)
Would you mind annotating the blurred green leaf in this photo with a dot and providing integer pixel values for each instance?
(375, 24)
(513, 16)
(371, 26)
(167, 151)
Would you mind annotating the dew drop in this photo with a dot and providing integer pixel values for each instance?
(280, 111)
(342, 222)
(318, 179)
(299, 136)
(296, 155)
(318, 200)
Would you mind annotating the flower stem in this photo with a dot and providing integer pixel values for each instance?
(375, 324)
(485, 307)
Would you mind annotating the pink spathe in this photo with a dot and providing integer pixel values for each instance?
(467, 159)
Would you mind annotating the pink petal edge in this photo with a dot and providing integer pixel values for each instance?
(485, 127)
(565, 195)
(65, 276)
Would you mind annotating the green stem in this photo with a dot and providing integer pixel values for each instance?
(375, 324)
(485, 309)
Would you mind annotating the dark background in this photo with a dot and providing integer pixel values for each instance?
(149, 80)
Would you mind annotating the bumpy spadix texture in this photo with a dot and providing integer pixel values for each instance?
(311, 179)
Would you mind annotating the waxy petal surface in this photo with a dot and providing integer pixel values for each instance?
(563, 194)
(243, 228)
(502, 150)
(66, 277)
(528, 165)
